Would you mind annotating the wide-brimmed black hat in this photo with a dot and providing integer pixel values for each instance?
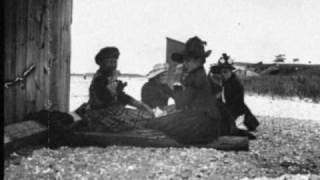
(105, 53)
(194, 48)
(225, 62)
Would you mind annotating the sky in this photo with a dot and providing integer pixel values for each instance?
(247, 30)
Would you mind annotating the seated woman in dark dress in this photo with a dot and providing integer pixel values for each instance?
(198, 120)
(232, 94)
(106, 109)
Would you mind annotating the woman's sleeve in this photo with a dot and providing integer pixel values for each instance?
(125, 98)
(147, 96)
(236, 96)
(168, 91)
(193, 84)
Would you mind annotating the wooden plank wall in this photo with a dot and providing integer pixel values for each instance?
(173, 46)
(37, 32)
(61, 47)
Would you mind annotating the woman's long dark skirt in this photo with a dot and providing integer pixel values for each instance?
(188, 127)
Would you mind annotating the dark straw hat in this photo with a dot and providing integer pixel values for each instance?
(194, 48)
(105, 53)
(225, 62)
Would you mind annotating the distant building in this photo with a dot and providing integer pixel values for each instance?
(243, 71)
(242, 74)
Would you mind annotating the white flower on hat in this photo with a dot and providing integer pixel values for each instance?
(225, 62)
(225, 59)
(222, 61)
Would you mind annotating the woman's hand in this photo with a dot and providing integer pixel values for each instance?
(215, 78)
(177, 86)
(179, 72)
(159, 112)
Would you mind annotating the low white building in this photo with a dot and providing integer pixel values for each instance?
(244, 72)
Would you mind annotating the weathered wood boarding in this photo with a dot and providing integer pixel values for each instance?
(152, 138)
(20, 134)
(172, 47)
(36, 32)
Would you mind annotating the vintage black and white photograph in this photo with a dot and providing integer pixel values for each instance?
(161, 89)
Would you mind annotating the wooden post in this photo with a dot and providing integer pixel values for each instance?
(21, 38)
(60, 47)
(9, 54)
(37, 32)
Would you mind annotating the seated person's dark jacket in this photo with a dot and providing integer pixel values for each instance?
(155, 95)
(100, 96)
(234, 96)
(197, 93)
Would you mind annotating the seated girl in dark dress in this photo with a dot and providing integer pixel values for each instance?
(106, 109)
(232, 93)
